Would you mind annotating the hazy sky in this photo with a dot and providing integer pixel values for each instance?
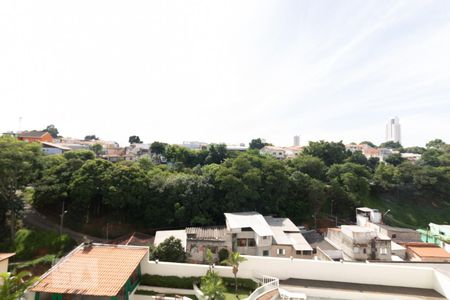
(227, 71)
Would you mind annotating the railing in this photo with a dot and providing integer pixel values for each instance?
(198, 293)
(268, 283)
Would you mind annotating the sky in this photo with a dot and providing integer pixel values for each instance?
(226, 71)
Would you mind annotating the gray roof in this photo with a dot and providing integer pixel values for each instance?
(286, 233)
(215, 233)
(252, 220)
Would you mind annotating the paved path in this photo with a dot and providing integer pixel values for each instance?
(35, 219)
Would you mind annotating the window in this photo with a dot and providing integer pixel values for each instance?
(383, 250)
(242, 242)
(394, 236)
(266, 253)
(364, 251)
(251, 243)
(298, 252)
(281, 251)
(265, 237)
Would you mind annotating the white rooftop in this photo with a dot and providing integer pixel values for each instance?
(252, 220)
(162, 235)
(286, 233)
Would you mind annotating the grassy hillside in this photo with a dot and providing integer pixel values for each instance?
(410, 213)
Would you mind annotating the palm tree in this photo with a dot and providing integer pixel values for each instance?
(234, 260)
(212, 286)
(13, 287)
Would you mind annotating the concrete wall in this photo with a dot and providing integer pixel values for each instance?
(284, 268)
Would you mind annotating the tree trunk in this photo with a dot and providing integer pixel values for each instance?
(235, 284)
(13, 225)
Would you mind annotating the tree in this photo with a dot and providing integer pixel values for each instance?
(391, 145)
(52, 130)
(358, 157)
(134, 139)
(14, 286)
(212, 286)
(313, 166)
(368, 143)
(91, 137)
(394, 159)
(329, 152)
(257, 144)
(234, 260)
(170, 250)
(97, 148)
(216, 154)
(437, 144)
(19, 166)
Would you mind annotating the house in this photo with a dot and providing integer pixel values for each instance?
(52, 148)
(199, 239)
(93, 271)
(287, 239)
(281, 152)
(437, 234)
(425, 252)
(35, 136)
(248, 233)
(4, 260)
(361, 243)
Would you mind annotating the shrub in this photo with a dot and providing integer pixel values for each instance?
(223, 254)
(188, 282)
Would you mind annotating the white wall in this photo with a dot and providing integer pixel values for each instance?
(4, 266)
(442, 284)
(284, 268)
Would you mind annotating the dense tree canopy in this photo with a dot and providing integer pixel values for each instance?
(52, 130)
(134, 139)
(195, 187)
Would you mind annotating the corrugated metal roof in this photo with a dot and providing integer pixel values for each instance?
(286, 233)
(285, 223)
(207, 233)
(99, 270)
(251, 220)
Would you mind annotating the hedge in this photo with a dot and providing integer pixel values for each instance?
(188, 282)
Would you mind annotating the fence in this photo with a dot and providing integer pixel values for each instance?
(268, 283)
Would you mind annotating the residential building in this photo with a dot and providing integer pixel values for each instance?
(241, 147)
(413, 157)
(323, 249)
(281, 152)
(137, 151)
(248, 233)
(287, 239)
(34, 136)
(425, 252)
(437, 234)
(4, 260)
(296, 140)
(370, 152)
(93, 272)
(393, 130)
(251, 235)
(199, 239)
(53, 148)
(361, 243)
(194, 145)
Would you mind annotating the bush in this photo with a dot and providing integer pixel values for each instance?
(32, 243)
(223, 254)
(188, 282)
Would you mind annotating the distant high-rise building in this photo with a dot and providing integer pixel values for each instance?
(296, 140)
(393, 130)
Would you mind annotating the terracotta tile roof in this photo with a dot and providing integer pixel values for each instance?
(430, 252)
(4, 256)
(99, 270)
(32, 134)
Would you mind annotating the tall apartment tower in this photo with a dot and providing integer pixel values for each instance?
(296, 140)
(393, 130)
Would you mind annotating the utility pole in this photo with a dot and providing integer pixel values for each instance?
(63, 212)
